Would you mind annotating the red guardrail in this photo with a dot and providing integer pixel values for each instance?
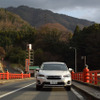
(13, 76)
(92, 77)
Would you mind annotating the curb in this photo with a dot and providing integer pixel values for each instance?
(88, 95)
(13, 80)
(88, 84)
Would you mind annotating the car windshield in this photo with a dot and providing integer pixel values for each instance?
(54, 67)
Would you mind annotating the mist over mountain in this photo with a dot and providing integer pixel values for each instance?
(39, 17)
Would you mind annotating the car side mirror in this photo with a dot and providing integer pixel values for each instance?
(37, 69)
(70, 69)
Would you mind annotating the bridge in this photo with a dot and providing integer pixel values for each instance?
(22, 87)
(88, 83)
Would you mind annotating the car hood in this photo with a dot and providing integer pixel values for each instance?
(47, 73)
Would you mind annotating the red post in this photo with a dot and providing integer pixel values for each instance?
(81, 76)
(0, 76)
(29, 75)
(74, 76)
(95, 78)
(72, 73)
(91, 77)
(86, 77)
(3, 77)
(78, 77)
(7, 75)
(22, 75)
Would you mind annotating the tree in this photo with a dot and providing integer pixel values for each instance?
(76, 31)
(87, 43)
(38, 56)
(16, 55)
(2, 53)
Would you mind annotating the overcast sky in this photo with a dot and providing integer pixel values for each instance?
(84, 9)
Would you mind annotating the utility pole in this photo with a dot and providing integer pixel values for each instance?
(75, 57)
(84, 58)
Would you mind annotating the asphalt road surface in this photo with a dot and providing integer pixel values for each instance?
(26, 90)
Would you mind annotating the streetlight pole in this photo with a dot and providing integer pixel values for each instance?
(75, 57)
(84, 58)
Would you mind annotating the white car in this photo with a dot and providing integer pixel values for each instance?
(53, 74)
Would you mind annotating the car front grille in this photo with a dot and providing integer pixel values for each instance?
(53, 77)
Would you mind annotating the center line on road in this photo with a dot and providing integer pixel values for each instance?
(16, 90)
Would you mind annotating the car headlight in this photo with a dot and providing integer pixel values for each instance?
(40, 75)
(68, 75)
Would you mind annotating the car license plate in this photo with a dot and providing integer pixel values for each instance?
(53, 82)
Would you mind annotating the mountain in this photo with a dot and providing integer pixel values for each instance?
(11, 21)
(39, 17)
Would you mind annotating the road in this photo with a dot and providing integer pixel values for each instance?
(26, 90)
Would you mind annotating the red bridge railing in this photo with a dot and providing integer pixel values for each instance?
(87, 76)
(13, 76)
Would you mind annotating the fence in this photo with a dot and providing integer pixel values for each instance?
(8, 76)
(87, 76)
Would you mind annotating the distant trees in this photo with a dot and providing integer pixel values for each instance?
(2, 53)
(10, 21)
(39, 56)
(51, 44)
(16, 55)
(76, 31)
(87, 43)
(49, 41)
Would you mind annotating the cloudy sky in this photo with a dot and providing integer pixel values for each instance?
(84, 9)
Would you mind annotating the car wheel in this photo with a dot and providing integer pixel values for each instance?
(68, 88)
(39, 87)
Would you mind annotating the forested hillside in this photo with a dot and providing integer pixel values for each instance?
(87, 43)
(49, 43)
(39, 17)
(11, 21)
(14, 37)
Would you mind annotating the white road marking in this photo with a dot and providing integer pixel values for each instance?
(16, 90)
(77, 94)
